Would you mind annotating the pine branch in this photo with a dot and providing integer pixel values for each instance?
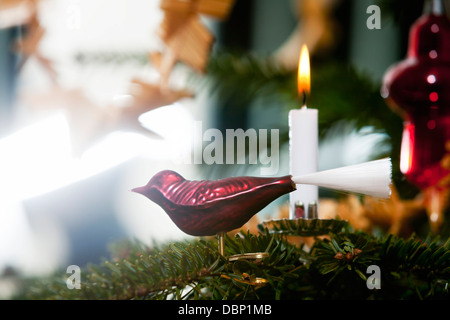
(406, 264)
(335, 268)
(240, 78)
(179, 270)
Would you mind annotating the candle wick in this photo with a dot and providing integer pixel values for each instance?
(304, 98)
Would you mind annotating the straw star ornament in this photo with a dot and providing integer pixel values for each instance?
(16, 12)
(186, 38)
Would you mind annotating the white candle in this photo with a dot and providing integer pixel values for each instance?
(303, 137)
(303, 144)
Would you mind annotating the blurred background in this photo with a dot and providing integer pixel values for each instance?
(69, 68)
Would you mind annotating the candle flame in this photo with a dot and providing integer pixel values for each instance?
(304, 78)
(406, 152)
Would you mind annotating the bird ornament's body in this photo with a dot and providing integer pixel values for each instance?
(209, 207)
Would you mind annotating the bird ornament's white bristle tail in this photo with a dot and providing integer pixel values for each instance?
(371, 178)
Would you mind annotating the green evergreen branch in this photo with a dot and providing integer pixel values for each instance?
(240, 78)
(334, 268)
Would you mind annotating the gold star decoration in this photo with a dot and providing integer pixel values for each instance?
(186, 38)
(16, 12)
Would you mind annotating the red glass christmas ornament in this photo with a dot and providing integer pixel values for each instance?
(418, 89)
(209, 207)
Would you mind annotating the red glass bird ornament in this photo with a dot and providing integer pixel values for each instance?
(210, 207)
